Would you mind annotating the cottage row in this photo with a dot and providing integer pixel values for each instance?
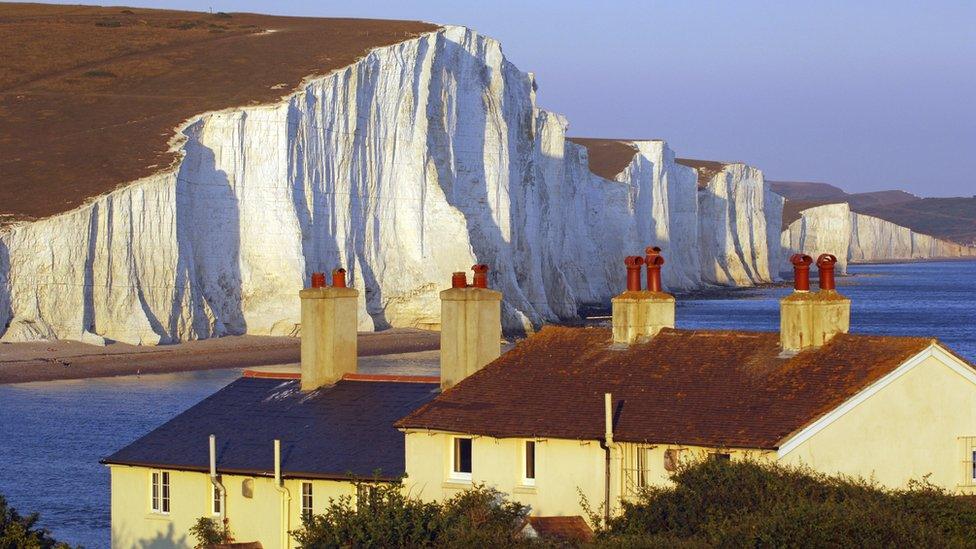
(568, 411)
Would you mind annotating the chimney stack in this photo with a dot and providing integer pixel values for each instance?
(811, 319)
(640, 314)
(471, 326)
(329, 322)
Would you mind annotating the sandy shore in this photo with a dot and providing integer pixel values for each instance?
(50, 360)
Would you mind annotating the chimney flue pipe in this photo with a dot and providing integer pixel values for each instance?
(480, 276)
(633, 263)
(654, 261)
(801, 272)
(318, 280)
(339, 278)
(825, 263)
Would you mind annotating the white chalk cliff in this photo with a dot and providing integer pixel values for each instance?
(859, 238)
(422, 158)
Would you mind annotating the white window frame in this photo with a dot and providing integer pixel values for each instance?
(160, 492)
(455, 458)
(972, 464)
(216, 502)
(642, 465)
(308, 499)
(526, 479)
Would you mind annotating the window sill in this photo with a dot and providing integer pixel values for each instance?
(524, 489)
(159, 516)
(456, 484)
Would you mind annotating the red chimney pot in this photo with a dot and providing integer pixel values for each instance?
(318, 280)
(826, 264)
(633, 263)
(459, 280)
(480, 276)
(801, 272)
(339, 278)
(654, 261)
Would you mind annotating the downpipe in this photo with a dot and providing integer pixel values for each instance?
(285, 516)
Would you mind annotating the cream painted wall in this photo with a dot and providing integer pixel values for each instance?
(564, 469)
(250, 519)
(908, 429)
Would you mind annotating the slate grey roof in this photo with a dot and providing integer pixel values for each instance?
(336, 432)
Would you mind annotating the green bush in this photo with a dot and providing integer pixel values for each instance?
(20, 532)
(752, 504)
(383, 516)
(208, 531)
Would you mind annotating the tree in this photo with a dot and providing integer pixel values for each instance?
(20, 532)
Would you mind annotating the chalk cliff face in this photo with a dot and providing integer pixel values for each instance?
(738, 217)
(855, 238)
(423, 158)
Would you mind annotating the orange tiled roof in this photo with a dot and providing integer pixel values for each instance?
(710, 388)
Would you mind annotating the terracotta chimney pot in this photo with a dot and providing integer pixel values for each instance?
(801, 272)
(633, 263)
(480, 275)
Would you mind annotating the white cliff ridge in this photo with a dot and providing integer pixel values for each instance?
(420, 159)
(859, 238)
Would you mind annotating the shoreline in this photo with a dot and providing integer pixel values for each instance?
(61, 360)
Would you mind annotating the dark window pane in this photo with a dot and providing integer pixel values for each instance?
(530, 459)
(462, 455)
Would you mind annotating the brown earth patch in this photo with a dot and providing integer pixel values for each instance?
(90, 96)
(608, 157)
(707, 169)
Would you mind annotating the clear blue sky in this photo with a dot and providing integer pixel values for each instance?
(865, 95)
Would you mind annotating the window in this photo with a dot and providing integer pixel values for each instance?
(973, 465)
(719, 456)
(215, 502)
(160, 492)
(461, 466)
(643, 466)
(367, 496)
(528, 473)
(306, 499)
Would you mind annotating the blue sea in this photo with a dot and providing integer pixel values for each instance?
(52, 434)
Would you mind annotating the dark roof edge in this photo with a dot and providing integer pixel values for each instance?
(249, 472)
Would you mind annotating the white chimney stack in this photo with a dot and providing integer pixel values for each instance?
(471, 326)
(329, 321)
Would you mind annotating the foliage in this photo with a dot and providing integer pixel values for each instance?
(20, 532)
(384, 516)
(753, 504)
(208, 531)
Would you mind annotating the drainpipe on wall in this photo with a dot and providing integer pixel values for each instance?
(213, 477)
(285, 495)
(607, 444)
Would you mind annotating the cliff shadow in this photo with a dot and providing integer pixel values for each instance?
(208, 274)
(316, 217)
(462, 174)
(6, 307)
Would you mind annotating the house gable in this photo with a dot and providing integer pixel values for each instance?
(917, 421)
